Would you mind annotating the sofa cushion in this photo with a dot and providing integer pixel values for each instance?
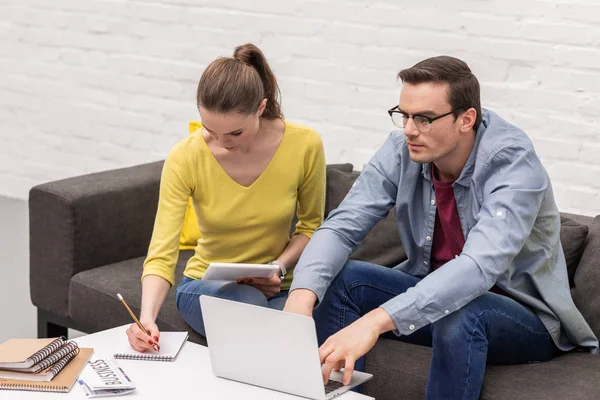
(582, 219)
(587, 277)
(400, 372)
(572, 238)
(344, 167)
(337, 186)
(93, 297)
(382, 245)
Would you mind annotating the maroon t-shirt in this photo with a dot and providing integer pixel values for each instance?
(448, 239)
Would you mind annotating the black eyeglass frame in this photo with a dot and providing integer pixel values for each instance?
(395, 110)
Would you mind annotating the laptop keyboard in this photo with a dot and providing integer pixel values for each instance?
(332, 385)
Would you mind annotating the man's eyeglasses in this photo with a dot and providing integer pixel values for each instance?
(422, 122)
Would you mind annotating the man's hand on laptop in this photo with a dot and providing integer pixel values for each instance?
(342, 349)
(269, 286)
(301, 301)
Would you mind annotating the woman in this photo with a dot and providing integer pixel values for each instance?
(246, 171)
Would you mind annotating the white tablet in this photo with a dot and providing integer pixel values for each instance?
(234, 271)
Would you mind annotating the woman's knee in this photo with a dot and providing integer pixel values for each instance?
(188, 301)
(243, 294)
(277, 302)
(188, 305)
(188, 293)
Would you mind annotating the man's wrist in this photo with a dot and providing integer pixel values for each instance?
(380, 320)
(303, 296)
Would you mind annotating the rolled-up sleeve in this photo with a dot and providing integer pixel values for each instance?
(511, 195)
(367, 202)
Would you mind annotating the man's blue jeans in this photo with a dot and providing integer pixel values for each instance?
(491, 329)
(189, 291)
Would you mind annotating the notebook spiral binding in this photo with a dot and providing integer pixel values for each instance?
(32, 388)
(68, 348)
(150, 357)
(49, 349)
(56, 368)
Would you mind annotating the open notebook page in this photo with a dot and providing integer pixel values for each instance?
(170, 344)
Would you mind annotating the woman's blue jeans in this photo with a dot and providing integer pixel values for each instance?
(189, 291)
(491, 329)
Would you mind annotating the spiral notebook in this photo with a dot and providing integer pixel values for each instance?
(46, 369)
(63, 382)
(170, 344)
(25, 353)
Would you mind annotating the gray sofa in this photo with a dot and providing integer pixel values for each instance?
(89, 236)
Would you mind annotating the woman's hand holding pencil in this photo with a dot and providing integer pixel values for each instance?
(142, 335)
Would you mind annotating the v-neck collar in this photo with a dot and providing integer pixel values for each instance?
(263, 172)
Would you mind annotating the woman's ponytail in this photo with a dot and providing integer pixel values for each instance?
(251, 55)
(240, 84)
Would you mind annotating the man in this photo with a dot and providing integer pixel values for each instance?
(485, 279)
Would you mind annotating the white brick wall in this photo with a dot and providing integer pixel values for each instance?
(87, 85)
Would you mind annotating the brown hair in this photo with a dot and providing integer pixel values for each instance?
(239, 84)
(463, 91)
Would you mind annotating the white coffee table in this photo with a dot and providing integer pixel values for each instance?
(188, 377)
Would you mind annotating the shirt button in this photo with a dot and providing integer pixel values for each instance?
(499, 213)
(428, 238)
(446, 312)
(425, 262)
(433, 202)
(411, 327)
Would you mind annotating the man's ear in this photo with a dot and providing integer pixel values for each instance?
(262, 106)
(468, 120)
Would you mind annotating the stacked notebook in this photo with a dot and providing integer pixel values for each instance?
(48, 365)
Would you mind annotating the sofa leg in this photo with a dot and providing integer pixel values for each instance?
(48, 329)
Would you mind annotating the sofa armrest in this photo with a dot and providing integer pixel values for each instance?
(88, 221)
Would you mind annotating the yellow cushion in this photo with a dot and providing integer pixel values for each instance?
(190, 233)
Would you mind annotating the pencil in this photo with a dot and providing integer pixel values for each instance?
(154, 346)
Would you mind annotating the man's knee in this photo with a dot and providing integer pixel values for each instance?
(465, 322)
(353, 270)
(350, 273)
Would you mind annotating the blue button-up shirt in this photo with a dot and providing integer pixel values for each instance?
(508, 216)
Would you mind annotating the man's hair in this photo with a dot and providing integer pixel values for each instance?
(463, 90)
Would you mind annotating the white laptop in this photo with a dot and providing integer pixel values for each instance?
(268, 348)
